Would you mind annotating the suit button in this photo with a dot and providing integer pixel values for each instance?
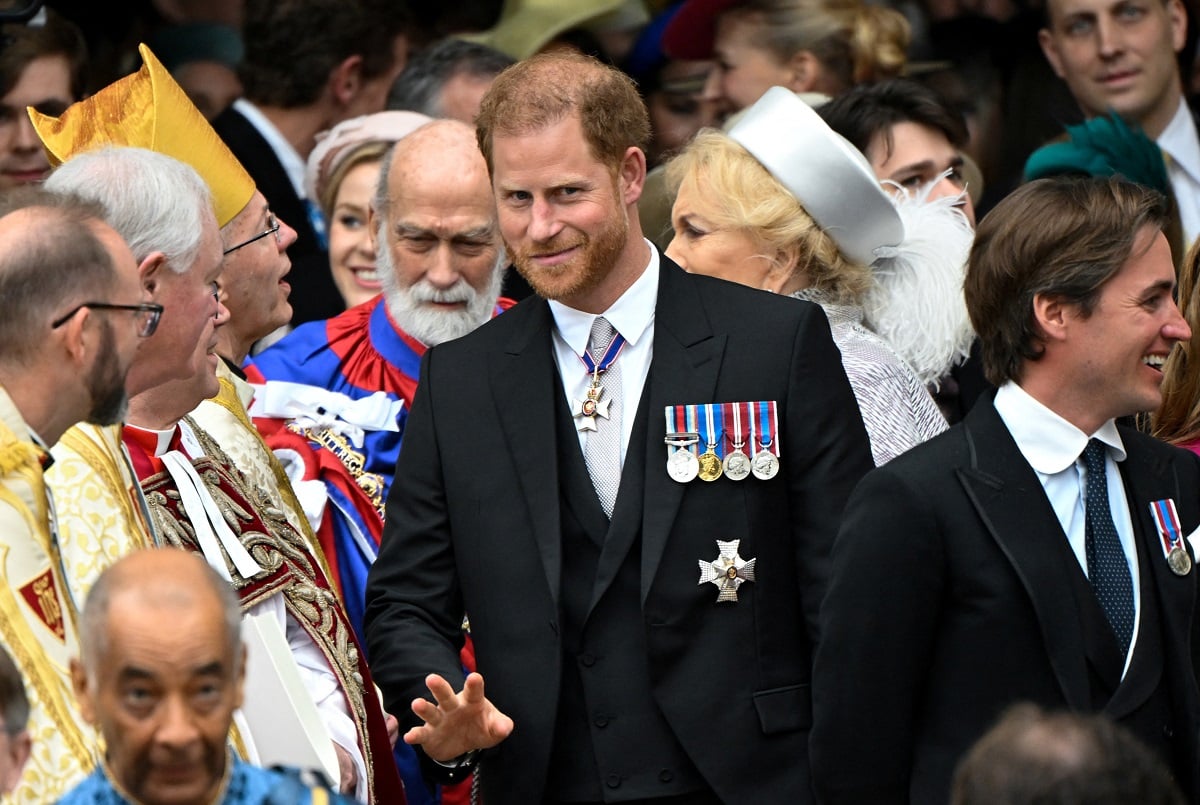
(666, 776)
(613, 781)
(601, 721)
(1168, 733)
(587, 660)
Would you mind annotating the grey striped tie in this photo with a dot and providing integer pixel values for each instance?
(602, 446)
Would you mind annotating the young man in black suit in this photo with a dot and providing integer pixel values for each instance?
(1036, 551)
(533, 494)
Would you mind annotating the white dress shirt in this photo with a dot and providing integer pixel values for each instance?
(632, 315)
(1181, 144)
(1054, 448)
(285, 152)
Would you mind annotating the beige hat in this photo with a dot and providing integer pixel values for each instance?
(526, 26)
(828, 176)
(334, 145)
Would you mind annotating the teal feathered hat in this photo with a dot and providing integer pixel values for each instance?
(1103, 146)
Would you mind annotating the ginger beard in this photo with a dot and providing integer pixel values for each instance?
(585, 270)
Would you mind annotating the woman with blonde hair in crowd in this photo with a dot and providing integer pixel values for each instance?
(1177, 420)
(808, 46)
(784, 204)
(342, 174)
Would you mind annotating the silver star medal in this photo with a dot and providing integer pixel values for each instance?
(587, 409)
(728, 571)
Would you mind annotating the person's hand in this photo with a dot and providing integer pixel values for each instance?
(393, 728)
(459, 722)
(347, 772)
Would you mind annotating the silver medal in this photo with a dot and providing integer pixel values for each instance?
(737, 464)
(682, 465)
(765, 465)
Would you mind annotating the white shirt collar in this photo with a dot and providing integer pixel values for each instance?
(630, 315)
(1049, 443)
(285, 152)
(1180, 142)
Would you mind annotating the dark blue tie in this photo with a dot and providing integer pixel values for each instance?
(1108, 569)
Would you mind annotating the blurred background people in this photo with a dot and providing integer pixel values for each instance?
(41, 65)
(203, 58)
(912, 139)
(342, 173)
(803, 215)
(308, 65)
(672, 89)
(14, 717)
(448, 79)
(808, 46)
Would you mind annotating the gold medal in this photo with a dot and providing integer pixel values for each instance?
(710, 465)
(1179, 561)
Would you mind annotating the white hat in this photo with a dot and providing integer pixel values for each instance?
(828, 176)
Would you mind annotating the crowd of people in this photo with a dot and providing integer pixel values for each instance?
(593, 402)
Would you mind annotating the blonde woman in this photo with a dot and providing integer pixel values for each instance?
(784, 204)
(808, 46)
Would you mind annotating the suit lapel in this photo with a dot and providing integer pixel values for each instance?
(684, 369)
(525, 389)
(1010, 500)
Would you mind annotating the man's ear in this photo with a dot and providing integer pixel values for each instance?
(1050, 50)
(151, 271)
(75, 337)
(372, 227)
(83, 695)
(632, 175)
(345, 80)
(19, 746)
(1052, 316)
(239, 676)
(804, 69)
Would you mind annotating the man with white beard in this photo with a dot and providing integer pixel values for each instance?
(334, 395)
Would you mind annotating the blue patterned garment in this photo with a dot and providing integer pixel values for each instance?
(248, 785)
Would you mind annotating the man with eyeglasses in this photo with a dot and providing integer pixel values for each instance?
(72, 315)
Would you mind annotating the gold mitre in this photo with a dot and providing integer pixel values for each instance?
(149, 110)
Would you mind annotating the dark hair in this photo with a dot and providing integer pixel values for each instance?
(1032, 757)
(867, 111)
(47, 267)
(1063, 236)
(547, 88)
(419, 87)
(293, 45)
(14, 704)
(21, 44)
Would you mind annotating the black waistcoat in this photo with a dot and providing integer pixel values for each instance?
(611, 740)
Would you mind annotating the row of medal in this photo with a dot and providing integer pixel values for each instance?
(711, 440)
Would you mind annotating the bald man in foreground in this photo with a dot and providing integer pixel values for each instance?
(161, 671)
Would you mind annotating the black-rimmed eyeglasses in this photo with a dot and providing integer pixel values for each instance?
(272, 229)
(148, 314)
